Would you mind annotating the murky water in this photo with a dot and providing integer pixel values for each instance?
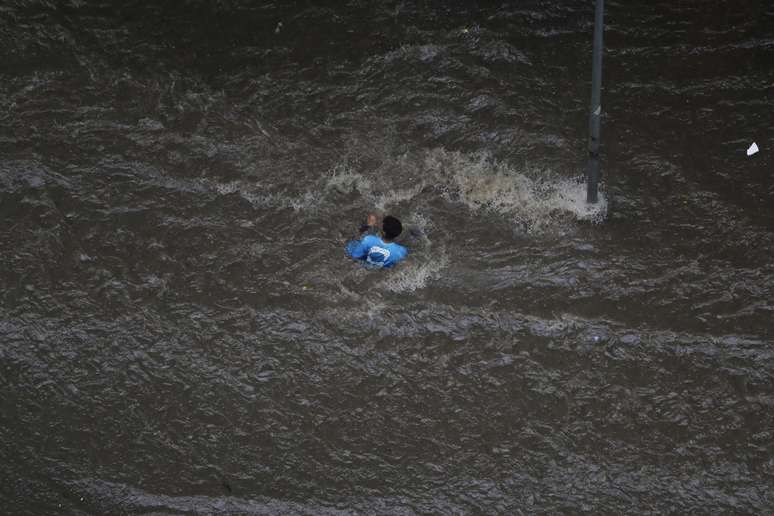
(180, 331)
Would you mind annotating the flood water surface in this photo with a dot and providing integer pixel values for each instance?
(181, 332)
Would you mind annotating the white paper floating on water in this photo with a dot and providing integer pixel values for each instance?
(752, 150)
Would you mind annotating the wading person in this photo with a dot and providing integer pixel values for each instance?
(378, 250)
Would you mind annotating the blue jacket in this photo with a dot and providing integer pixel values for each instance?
(376, 252)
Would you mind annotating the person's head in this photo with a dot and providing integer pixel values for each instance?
(391, 227)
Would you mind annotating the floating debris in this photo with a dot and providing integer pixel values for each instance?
(753, 149)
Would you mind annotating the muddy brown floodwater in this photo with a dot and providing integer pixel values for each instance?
(181, 333)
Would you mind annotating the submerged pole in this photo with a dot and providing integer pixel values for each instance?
(592, 170)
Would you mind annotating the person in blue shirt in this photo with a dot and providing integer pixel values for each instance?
(378, 250)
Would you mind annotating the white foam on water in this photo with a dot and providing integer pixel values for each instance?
(227, 188)
(570, 197)
(382, 201)
(424, 263)
(344, 179)
(414, 275)
(264, 200)
(421, 224)
(538, 198)
(307, 201)
(382, 192)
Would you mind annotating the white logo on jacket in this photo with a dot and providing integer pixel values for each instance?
(377, 256)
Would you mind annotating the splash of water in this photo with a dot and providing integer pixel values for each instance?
(538, 198)
(416, 275)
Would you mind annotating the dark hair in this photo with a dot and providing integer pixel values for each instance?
(391, 227)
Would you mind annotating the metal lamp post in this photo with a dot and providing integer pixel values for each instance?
(592, 170)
